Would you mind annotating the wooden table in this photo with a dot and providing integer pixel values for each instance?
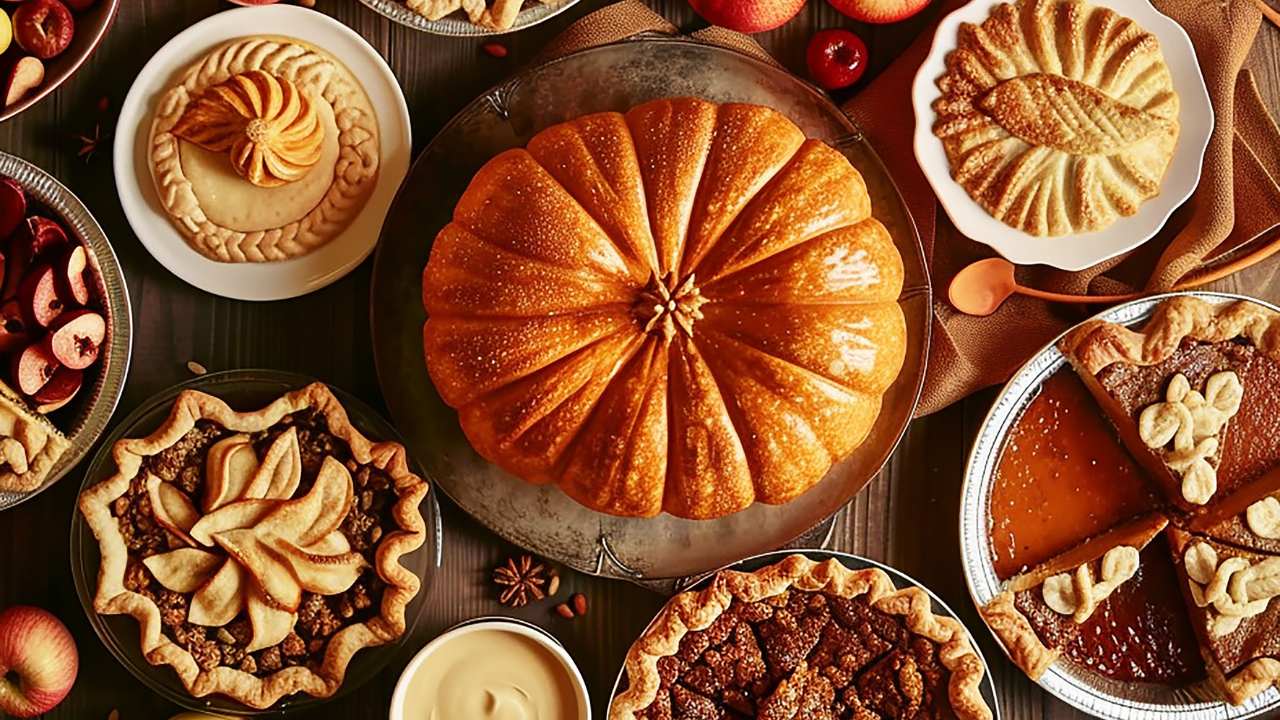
(905, 517)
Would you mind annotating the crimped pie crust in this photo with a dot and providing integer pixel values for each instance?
(697, 610)
(354, 176)
(112, 598)
(30, 449)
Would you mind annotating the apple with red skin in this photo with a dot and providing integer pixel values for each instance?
(43, 28)
(38, 296)
(59, 391)
(836, 58)
(747, 16)
(75, 338)
(13, 329)
(879, 11)
(13, 206)
(70, 267)
(37, 648)
(32, 368)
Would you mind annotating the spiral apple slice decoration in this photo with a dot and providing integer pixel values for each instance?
(269, 127)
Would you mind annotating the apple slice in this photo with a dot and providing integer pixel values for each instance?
(59, 391)
(279, 587)
(280, 473)
(230, 467)
(13, 206)
(879, 11)
(43, 28)
(71, 283)
(26, 75)
(335, 543)
(32, 368)
(13, 330)
(42, 236)
(234, 516)
(219, 600)
(309, 518)
(75, 338)
(323, 574)
(38, 296)
(270, 625)
(183, 570)
(172, 508)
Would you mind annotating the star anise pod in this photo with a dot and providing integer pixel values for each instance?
(521, 581)
(89, 143)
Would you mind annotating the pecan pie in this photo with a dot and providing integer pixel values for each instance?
(259, 550)
(802, 640)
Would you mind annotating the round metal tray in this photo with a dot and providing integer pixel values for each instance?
(1074, 685)
(84, 420)
(457, 24)
(542, 519)
(853, 562)
(242, 389)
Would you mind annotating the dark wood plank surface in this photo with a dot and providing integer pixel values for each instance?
(906, 517)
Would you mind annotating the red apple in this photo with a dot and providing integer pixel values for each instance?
(75, 337)
(13, 206)
(32, 368)
(22, 77)
(43, 28)
(747, 16)
(836, 58)
(59, 391)
(879, 11)
(38, 649)
(13, 330)
(38, 296)
(71, 283)
(42, 235)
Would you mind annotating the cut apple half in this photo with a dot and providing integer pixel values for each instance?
(306, 520)
(172, 508)
(183, 570)
(219, 600)
(230, 466)
(269, 572)
(280, 473)
(236, 516)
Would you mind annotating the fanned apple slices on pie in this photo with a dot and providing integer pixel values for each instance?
(258, 550)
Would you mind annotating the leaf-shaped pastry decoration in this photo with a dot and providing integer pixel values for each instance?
(172, 508)
(269, 572)
(1057, 112)
(230, 466)
(318, 513)
(323, 574)
(281, 470)
(183, 570)
(270, 624)
(219, 600)
(270, 128)
(234, 516)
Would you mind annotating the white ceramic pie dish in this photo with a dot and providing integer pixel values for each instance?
(274, 280)
(1077, 252)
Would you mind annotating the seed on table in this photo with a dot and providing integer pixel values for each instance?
(564, 611)
(579, 603)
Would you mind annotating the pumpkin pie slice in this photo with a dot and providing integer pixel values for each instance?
(1042, 610)
(1194, 394)
(1231, 595)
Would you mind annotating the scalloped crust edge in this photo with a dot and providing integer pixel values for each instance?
(402, 585)
(696, 610)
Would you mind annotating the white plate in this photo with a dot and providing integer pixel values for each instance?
(1077, 252)
(274, 280)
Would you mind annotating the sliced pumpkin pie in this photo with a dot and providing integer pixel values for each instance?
(1042, 610)
(1231, 595)
(1194, 393)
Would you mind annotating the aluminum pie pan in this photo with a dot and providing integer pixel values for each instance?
(543, 519)
(853, 562)
(457, 25)
(1070, 683)
(93, 410)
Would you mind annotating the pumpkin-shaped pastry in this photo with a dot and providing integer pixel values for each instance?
(1058, 117)
(685, 308)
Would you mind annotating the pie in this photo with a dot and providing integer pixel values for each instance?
(1173, 422)
(491, 14)
(30, 445)
(266, 149)
(258, 551)
(1058, 117)
(1042, 610)
(684, 308)
(804, 640)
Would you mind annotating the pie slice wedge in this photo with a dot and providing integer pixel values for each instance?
(1230, 595)
(1040, 611)
(1194, 393)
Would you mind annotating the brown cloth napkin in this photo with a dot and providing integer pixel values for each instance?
(1241, 170)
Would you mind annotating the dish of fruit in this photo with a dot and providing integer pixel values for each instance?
(64, 330)
(42, 42)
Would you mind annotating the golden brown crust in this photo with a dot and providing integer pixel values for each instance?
(1016, 634)
(1096, 344)
(112, 598)
(1250, 680)
(696, 610)
(31, 448)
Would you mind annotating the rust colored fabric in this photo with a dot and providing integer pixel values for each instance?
(1241, 170)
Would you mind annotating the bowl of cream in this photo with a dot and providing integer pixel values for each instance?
(491, 669)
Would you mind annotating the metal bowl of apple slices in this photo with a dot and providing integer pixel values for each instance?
(63, 295)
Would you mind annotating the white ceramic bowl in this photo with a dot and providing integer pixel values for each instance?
(1080, 251)
(272, 280)
(517, 627)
